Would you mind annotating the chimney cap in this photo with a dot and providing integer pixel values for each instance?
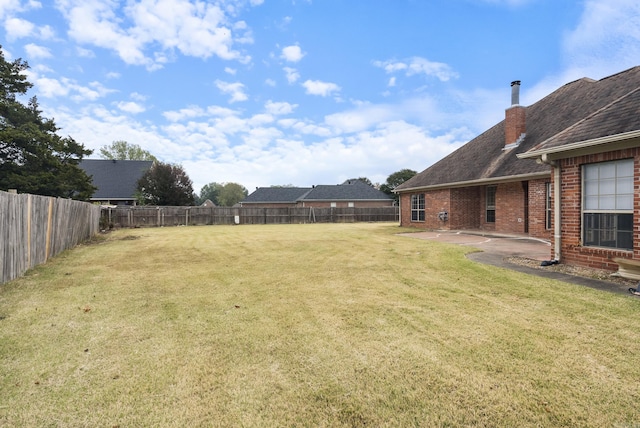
(515, 82)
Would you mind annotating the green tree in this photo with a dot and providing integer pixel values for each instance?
(396, 179)
(231, 194)
(33, 157)
(165, 184)
(223, 194)
(121, 150)
(363, 179)
(210, 191)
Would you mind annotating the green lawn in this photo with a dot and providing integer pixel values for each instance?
(308, 325)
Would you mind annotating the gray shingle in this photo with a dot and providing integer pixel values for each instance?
(115, 179)
(483, 158)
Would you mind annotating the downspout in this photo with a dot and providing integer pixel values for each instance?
(556, 205)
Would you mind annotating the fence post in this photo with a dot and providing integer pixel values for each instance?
(29, 207)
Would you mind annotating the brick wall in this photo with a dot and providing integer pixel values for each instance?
(537, 209)
(467, 209)
(465, 212)
(571, 250)
(435, 201)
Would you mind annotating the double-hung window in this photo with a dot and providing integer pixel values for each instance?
(417, 207)
(607, 204)
(547, 209)
(491, 204)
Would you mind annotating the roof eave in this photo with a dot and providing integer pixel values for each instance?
(587, 147)
(478, 182)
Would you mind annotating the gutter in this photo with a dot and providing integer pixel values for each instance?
(557, 209)
(613, 142)
(479, 182)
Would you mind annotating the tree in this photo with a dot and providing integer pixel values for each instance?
(363, 179)
(210, 191)
(33, 157)
(165, 184)
(396, 179)
(231, 194)
(121, 150)
(223, 194)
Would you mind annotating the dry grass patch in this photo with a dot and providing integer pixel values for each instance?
(307, 325)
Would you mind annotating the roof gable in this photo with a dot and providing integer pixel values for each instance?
(115, 179)
(484, 157)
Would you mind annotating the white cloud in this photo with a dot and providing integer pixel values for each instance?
(418, 65)
(199, 29)
(8, 7)
(37, 52)
(17, 28)
(185, 113)
(270, 82)
(317, 87)
(361, 118)
(279, 108)
(606, 39)
(291, 74)
(63, 87)
(236, 90)
(292, 53)
(130, 107)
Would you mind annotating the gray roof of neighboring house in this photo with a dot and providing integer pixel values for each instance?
(276, 195)
(577, 110)
(115, 179)
(352, 190)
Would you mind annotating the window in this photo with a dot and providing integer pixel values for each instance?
(334, 204)
(351, 204)
(607, 204)
(417, 207)
(491, 204)
(548, 212)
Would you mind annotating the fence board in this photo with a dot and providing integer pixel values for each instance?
(34, 228)
(173, 216)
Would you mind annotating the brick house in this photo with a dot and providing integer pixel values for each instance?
(350, 194)
(580, 145)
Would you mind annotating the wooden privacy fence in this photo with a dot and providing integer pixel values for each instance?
(35, 228)
(189, 216)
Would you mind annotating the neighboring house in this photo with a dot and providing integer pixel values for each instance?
(350, 194)
(566, 168)
(116, 180)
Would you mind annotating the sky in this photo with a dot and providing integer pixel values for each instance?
(304, 92)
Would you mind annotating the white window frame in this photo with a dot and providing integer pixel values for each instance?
(418, 206)
(548, 206)
(490, 208)
(607, 204)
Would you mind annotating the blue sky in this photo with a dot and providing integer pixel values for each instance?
(304, 92)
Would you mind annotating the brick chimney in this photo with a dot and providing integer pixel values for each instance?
(515, 120)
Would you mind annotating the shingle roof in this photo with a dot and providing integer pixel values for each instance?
(621, 116)
(483, 158)
(276, 195)
(115, 179)
(353, 190)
